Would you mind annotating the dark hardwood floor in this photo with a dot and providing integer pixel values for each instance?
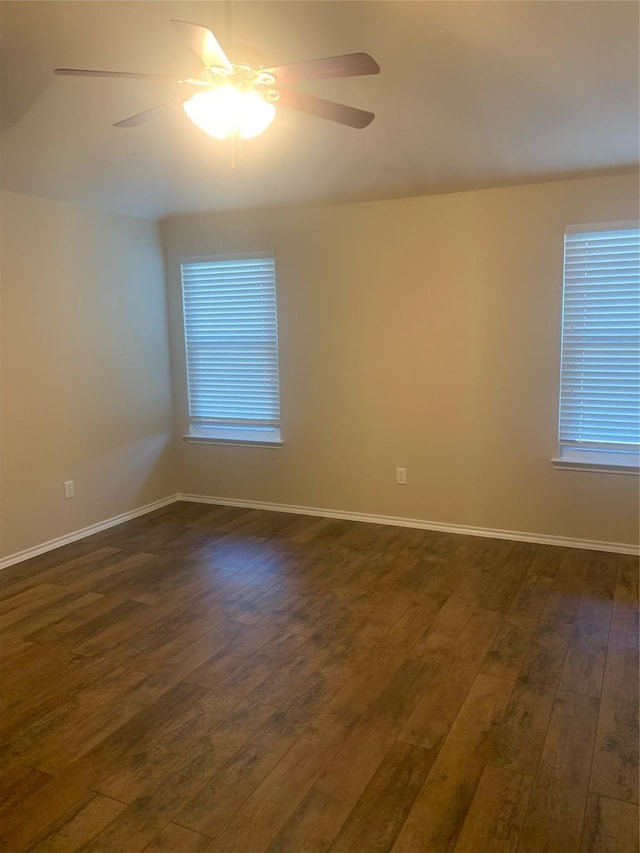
(236, 681)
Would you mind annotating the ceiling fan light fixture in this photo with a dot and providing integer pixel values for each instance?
(228, 110)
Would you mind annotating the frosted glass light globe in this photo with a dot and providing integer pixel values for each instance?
(226, 110)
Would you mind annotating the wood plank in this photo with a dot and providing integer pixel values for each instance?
(78, 826)
(254, 825)
(611, 826)
(45, 567)
(17, 782)
(178, 839)
(445, 629)
(31, 623)
(546, 562)
(378, 816)
(38, 701)
(359, 692)
(217, 724)
(10, 648)
(71, 729)
(615, 760)
(521, 732)
(340, 666)
(506, 576)
(162, 579)
(226, 665)
(92, 719)
(509, 649)
(293, 674)
(258, 523)
(57, 630)
(66, 572)
(105, 633)
(438, 813)
(626, 610)
(308, 615)
(191, 772)
(486, 566)
(231, 551)
(163, 637)
(30, 602)
(212, 517)
(495, 817)
(584, 665)
(556, 809)
(385, 612)
(179, 663)
(111, 574)
(211, 805)
(45, 806)
(24, 661)
(317, 820)
(520, 736)
(255, 601)
(449, 687)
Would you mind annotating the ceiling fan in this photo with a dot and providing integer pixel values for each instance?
(227, 99)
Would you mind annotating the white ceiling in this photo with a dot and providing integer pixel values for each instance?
(470, 94)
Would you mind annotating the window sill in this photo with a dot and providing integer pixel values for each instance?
(597, 461)
(224, 435)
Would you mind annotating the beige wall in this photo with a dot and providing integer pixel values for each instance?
(421, 333)
(84, 369)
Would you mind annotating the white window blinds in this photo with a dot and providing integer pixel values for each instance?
(231, 340)
(600, 375)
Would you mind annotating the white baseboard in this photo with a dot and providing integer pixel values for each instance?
(20, 556)
(463, 530)
(587, 544)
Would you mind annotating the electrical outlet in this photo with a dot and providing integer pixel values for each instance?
(401, 476)
(69, 490)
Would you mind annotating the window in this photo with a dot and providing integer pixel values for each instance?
(599, 424)
(231, 342)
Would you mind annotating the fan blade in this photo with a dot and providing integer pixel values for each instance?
(204, 44)
(348, 65)
(325, 109)
(139, 118)
(84, 72)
